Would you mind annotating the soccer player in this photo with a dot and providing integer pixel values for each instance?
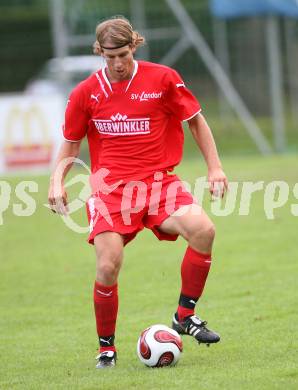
(131, 112)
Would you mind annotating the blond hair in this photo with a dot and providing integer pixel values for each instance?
(118, 31)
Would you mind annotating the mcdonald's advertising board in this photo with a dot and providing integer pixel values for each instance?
(30, 132)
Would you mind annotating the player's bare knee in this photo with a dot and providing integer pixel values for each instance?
(108, 264)
(210, 232)
(107, 270)
(203, 235)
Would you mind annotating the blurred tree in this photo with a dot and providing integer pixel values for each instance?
(25, 41)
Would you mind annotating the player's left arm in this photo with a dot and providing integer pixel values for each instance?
(218, 182)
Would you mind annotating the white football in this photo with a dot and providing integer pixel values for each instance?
(159, 346)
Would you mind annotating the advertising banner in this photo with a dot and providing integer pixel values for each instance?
(30, 132)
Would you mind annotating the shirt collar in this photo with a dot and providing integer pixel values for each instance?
(135, 70)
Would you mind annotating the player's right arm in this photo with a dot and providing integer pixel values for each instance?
(57, 195)
(74, 130)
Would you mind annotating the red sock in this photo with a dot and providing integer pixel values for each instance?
(194, 271)
(106, 309)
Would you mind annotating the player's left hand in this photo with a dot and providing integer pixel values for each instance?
(218, 182)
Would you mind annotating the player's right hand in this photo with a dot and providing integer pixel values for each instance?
(57, 198)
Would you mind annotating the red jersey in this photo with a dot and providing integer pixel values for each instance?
(133, 126)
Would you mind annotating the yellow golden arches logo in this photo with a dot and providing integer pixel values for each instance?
(22, 146)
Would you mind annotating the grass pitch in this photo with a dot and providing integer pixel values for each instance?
(48, 338)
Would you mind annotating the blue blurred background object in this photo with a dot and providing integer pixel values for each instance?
(236, 8)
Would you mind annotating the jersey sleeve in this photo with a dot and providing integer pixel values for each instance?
(76, 117)
(179, 101)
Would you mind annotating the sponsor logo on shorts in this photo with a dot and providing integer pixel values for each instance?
(120, 124)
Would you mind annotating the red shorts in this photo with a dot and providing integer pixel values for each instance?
(137, 204)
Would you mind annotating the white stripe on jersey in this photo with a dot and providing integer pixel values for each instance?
(106, 78)
(133, 75)
(101, 85)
